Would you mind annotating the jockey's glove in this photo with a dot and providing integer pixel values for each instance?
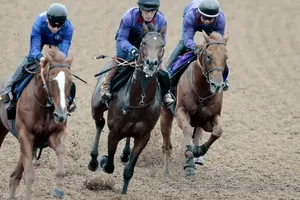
(197, 49)
(135, 52)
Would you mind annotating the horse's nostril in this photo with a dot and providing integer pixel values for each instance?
(155, 62)
(147, 62)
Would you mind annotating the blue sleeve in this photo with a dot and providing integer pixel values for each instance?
(36, 40)
(189, 30)
(220, 24)
(124, 31)
(67, 39)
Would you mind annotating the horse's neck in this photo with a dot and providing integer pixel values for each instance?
(39, 91)
(199, 82)
(142, 88)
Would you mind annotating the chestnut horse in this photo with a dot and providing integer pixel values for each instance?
(41, 118)
(134, 109)
(199, 102)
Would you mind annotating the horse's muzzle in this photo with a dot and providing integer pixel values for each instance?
(60, 117)
(150, 67)
(215, 86)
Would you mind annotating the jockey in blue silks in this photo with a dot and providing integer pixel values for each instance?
(50, 28)
(129, 36)
(199, 15)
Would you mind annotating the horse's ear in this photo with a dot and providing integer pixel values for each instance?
(226, 37)
(145, 27)
(69, 59)
(206, 37)
(163, 30)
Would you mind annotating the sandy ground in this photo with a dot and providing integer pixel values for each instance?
(258, 155)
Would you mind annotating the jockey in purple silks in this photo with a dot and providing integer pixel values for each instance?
(199, 15)
(128, 38)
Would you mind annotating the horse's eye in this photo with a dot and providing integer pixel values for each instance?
(209, 57)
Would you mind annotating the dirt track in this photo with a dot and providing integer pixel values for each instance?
(258, 155)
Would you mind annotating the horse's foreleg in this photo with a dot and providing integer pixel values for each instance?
(93, 165)
(198, 134)
(107, 162)
(126, 151)
(166, 119)
(56, 142)
(183, 120)
(3, 133)
(15, 178)
(26, 141)
(216, 133)
(139, 145)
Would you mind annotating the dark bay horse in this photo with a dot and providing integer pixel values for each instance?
(199, 102)
(41, 116)
(134, 109)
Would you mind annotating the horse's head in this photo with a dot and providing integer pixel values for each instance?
(151, 50)
(213, 58)
(58, 80)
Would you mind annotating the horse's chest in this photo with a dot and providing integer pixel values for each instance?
(203, 116)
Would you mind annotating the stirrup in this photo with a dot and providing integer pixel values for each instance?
(169, 99)
(72, 107)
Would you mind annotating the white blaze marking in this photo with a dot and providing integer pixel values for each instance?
(61, 79)
(155, 38)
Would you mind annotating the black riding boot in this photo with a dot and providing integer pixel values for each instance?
(164, 81)
(7, 94)
(179, 50)
(72, 105)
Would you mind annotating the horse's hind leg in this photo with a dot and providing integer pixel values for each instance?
(139, 145)
(15, 178)
(126, 151)
(216, 133)
(3, 133)
(166, 119)
(93, 165)
(107, 162)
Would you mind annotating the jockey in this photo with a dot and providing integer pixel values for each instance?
(199, 15)
(129, 36)
(50, 28)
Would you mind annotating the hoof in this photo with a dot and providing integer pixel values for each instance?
(57, 194)
(102, 161)
(189, 171)
(93, 165)
(124, 159)
(199, 160)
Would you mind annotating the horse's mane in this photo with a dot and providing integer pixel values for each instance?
(53, 54)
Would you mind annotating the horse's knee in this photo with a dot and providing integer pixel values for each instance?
(60, 149)
(217, 131)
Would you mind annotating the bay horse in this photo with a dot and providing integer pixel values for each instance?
(41, 118)
(134, 109)
(199, 102)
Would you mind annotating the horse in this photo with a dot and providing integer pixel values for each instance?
(199, 102)
(41, 119)
(134, 109)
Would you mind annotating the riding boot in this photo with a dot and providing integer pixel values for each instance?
(180, 49)
(225, 76)
(164, 81)
(7, 93)
(72, 105)
(105, 93)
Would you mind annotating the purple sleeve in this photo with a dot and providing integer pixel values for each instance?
(124, 31)
(189, 30)
(165, 24)
(220, 24)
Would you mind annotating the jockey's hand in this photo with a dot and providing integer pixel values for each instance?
(135, 52)
(42, 61)
(197, 49)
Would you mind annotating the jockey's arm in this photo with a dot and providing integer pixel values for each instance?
(220, 24)
(65, 44)
(36, 41)
(189, 30)
(124, 31)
